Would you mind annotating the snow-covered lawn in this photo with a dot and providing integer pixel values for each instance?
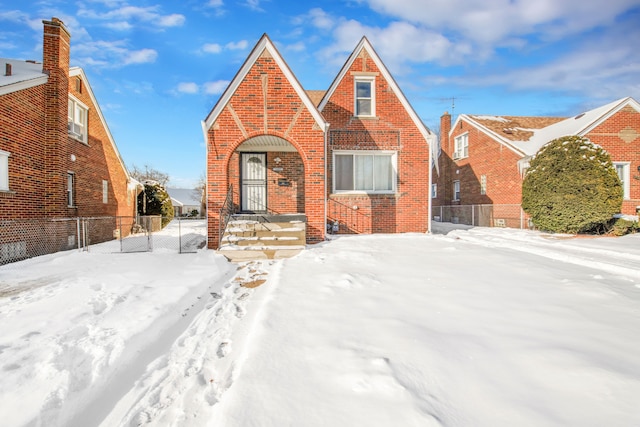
(478, 327)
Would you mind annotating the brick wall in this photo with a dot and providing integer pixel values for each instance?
(620, 136)
(25, 197)
(34, 130)
(266, 103)
(391, 129)
(487, 157)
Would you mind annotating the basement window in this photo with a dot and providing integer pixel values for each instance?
(4, 170)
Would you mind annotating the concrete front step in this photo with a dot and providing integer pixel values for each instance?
(251, 239)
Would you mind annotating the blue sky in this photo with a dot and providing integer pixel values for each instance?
(158, 67)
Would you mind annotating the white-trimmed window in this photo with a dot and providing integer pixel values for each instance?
(483, 184)
(105, 191)
(4, 170)
(70, 189)
(461, 147)
(434, 191)
(456, 191)
(364, 171)
(623, 173)
(77, 119)
(365, 96)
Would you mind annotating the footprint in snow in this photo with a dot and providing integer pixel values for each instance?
(223, 349)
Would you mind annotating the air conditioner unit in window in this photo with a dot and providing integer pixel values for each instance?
(75, 129)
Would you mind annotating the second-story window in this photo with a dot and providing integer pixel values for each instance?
(77, 120)
(461, 147)
(365, 97)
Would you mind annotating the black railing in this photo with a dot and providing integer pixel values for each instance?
(225, 213)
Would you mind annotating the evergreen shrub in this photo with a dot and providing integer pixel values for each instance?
(571, 186)
(158, 202)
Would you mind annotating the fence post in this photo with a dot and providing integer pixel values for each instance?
(120, 232)
(179, 236)
(78, 232)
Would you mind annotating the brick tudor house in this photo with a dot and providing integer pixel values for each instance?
(57, 156)
(483, 159)
(354, 158)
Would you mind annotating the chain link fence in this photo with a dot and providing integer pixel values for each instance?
(21, 239)
(511, 216)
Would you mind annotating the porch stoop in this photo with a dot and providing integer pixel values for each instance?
(252, 237)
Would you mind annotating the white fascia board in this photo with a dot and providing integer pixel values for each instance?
(22, 85)
(499, 139)
(621, 104)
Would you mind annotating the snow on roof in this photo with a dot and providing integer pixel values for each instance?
(508, 129)
(527, 135)
(577, 125)
(185, 196)
(24, 74)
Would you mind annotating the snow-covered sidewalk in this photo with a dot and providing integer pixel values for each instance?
(482, 327)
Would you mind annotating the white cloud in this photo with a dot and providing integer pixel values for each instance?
(242, 44)
(320, 19)
(418, 44)
(215, 3)
(188, 87)
(254, 5)
(602, 67)
(491, 22)
(119, 26)
(124, 13)
(296, 47)
(215, 88)
(173, 20)
(141, 56)
(212, 48)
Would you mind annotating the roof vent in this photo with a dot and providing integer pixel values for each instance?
(508, 131)
(578, 116)
(7, 69)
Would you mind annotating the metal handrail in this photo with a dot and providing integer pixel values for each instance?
(225, 214)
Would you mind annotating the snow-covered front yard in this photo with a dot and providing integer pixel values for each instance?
(476, 327)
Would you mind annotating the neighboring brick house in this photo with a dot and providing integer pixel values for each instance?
(57, 156)
(483, 158)
(354, 159)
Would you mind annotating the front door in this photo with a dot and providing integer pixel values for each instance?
(254, 182)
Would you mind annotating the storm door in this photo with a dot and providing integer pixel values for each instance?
(254, 182)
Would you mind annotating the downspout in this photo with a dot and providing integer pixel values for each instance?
(430, 190)
(206, 177)
(326, 168)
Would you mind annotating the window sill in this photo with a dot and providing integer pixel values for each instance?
(362, 194)
(78, 139)
(366, 117)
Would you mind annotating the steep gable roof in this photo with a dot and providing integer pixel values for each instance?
(578, 125)
(526, 135)
(364, 44)
(79, 72)
(264, 44)
(24, 74)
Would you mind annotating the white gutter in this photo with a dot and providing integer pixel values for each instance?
(429, 190)
(326, 167)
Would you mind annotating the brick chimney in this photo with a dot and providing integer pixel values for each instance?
(55, 63)
(445, 128)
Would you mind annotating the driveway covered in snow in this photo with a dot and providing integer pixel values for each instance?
(482, 327)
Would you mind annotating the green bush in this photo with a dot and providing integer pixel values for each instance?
(571, 186)
(622, 226)
(158, 202)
